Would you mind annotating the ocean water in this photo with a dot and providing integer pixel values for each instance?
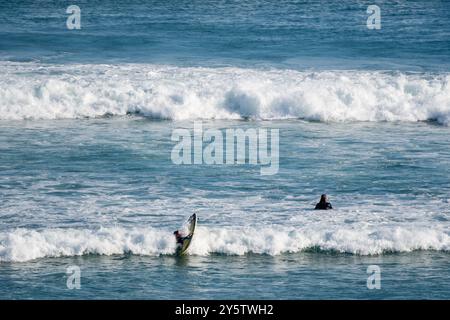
(87, 179)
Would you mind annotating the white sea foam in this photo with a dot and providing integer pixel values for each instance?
(24, 245)
(38, 91)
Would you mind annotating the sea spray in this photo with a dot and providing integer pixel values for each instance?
(39, 91)
(25, 244)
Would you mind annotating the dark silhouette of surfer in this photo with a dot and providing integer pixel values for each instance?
(178, 237)
(323, 203)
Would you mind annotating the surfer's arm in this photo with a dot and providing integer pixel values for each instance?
(187, 237)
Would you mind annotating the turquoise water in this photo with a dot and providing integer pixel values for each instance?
(289, 33)
(420, 275)
(87, 179)
(74, 189)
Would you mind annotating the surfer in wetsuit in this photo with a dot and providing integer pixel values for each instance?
(179, 238)
(323, 203)
(183, 241)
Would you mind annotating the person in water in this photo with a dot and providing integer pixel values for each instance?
(178, 237)
(323, 203)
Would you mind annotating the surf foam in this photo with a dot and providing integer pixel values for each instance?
(23, 244)
(39, 91)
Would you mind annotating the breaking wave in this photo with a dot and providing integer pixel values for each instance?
(40, 91)
(23, 244)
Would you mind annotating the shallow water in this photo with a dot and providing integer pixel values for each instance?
(109, 185)
(418, 275)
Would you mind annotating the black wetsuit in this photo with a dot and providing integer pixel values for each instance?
(323, 206)
(180, 240)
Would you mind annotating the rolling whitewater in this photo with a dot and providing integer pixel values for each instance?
(86, 177)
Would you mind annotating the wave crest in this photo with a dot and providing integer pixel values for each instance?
(33, 91)
(24, 245)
